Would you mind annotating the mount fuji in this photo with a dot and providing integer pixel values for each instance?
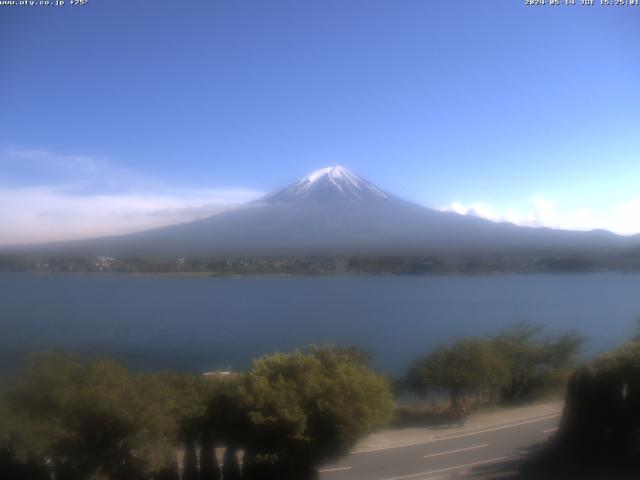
(334, 211)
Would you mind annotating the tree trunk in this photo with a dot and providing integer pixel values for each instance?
(230, 466)
(209, 467)
(249, 466)
(190, 460)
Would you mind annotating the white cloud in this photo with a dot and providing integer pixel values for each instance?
(81, 197)
(541, 212)
(626, 217)
(36, 214)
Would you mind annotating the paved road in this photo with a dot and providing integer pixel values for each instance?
(480, 453)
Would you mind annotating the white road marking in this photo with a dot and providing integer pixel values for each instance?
(334, 469)
(460, 435)
(549, 430)
(448, 469)
(457, 450)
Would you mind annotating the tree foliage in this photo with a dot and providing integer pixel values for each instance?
(533, 359)
(513, 364)
(465, 367)
(306, 408)
(94, 418)
(291, 411)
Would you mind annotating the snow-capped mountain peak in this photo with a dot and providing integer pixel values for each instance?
(329, 183)
(337, 171)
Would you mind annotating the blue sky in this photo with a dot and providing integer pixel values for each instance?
(121, 115)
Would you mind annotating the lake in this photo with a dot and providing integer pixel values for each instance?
(202, 323)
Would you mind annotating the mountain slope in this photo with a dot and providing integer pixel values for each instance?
(333, 211)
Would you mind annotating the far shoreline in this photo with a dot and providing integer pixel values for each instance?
(213, 275)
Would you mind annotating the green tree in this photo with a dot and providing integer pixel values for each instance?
(309, 408)
(186, 401)
(533, 360)
(226, 416)
(92, 418)
(465, 367)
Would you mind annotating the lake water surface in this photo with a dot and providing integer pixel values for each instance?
(200, 323)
